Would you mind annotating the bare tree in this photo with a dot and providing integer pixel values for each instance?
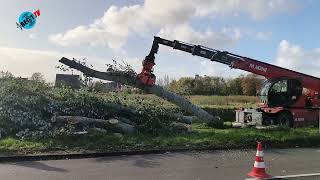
(164, 81)
(37, 76)
(6, 74)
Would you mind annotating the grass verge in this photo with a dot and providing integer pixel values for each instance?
(202, 137)
(226, 102)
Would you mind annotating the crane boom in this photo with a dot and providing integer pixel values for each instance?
(282, 98)
(236, 61)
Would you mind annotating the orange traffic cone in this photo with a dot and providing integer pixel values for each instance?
(259, 167)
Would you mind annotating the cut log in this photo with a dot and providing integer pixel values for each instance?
(127, 121)
(132, 80)
(181, 127)
(113, 124)
(184, 119)
(117, 109)
(101, 130)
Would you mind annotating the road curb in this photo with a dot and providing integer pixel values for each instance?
(90, 155)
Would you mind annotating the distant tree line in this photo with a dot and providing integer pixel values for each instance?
(206, 85)
(199, 85)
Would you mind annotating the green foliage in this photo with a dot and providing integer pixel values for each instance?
(183, 86)
(225, 114)
(243, 85)
(78, 103)
(153, 111)
(6, 75)
(24, 106)
(143, 101)
(27, 107)
(99, 86)
(251, 84)
(37, 76)
(234, 86)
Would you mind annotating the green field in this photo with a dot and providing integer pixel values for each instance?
(224, 101)
(229, 102)
(202, 137)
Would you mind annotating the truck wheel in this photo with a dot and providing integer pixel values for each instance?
(266, 120)
(285, 119)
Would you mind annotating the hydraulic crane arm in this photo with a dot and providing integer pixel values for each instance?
(224, 57)
(197, 50)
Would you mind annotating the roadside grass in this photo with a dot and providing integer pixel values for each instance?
(202, 137)
(13, 144)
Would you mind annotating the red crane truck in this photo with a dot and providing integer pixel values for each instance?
(287, 97)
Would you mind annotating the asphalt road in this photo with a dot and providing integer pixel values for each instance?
(187, 166)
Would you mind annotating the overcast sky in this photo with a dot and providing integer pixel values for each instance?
(282, 32)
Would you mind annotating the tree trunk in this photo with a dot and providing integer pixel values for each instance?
(132, 80)
(181, 127)
(184, 119)
(113, 124)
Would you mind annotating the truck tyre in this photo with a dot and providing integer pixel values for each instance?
(285, 119)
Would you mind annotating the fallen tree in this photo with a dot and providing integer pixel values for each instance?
(131, 79)
(112, 124)
(121, 125)
(28, 106)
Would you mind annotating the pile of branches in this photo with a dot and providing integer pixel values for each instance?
(35, 109)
